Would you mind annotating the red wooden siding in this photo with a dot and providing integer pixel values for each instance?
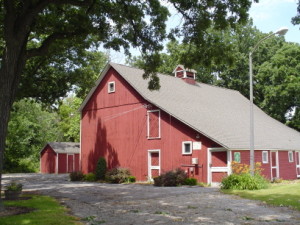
(153, 124)
(219, 159)
(48, 160)
(287, 170)
(218, 176)
(114, 125)
(77, 162)
(70, 163)
(62, 163)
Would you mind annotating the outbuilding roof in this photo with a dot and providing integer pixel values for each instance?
(220, 114)
(64, 147)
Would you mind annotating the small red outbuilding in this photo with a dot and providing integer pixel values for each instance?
(60, 157)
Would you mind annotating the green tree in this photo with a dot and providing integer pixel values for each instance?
(36, 28)
(279, 80)
(69, 117)
(29, 129)
(296, 19)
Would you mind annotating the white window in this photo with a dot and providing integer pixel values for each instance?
(153, 124)
(186, 147)
(265, 158)
(111, 87)
(291, 156)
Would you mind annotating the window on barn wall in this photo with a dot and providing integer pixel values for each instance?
(265, 158)
(111, 87)
(186, 147)
(291, 156)
(237, 157)
(153, 124)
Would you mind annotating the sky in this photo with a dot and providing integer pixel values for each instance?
(268, 16)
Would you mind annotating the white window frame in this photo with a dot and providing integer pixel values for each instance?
(183, 147)
(109, 89)
(148, 121)
(291, 156)
(267, 157)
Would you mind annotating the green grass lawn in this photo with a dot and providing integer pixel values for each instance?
(47, 212)
(284, 194)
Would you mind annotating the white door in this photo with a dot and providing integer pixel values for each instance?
(218, 165)
(153, 164)
(298, 164)
(274, 165)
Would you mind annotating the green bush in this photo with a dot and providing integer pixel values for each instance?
(171, 178)
(244, 181)
(101, 169)
(190, 181)
(76, 176)
(117, 175)
(131, 179)
(89, 177)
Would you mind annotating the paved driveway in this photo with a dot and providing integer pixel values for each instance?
(114, 204)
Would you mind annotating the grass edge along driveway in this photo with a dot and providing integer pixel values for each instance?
(47, 211)
(284, 194)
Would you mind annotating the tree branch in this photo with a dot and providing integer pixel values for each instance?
(44, 48)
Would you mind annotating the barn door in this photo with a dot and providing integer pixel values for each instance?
(153, 164)
(274, 165)
(70, 163)
(298, 164)
(218, 166)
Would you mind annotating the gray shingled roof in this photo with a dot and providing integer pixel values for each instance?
(65, 147)
(218, 113)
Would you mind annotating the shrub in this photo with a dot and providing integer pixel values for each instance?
(244, 181)
(76, 176)
(171, 178)
(190, 181)
(89, 177)
(101, 169)
(14, 186)
(131, 179)
(117, 175)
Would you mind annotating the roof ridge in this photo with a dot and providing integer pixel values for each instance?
(167, 75)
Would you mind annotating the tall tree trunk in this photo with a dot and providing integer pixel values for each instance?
(13, 62)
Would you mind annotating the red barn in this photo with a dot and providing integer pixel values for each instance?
(60, 157)
(194, 126)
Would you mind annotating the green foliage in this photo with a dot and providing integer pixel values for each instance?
(14, 186)
(76, 176)
(190, 181)
(131, 179)
(69, 123)
(47, 211)
(279, 80)
(296, 19)
(244, 181)
(171, 178)
(117, 175)
(101, 168)
(89, 177)
(29, 129)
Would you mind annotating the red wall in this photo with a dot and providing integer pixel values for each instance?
(62, 163)
(287, 170)
(114, 125)
(48, 160)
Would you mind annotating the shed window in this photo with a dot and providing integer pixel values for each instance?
(265, 158)
(111, 87)
(237, 157)
(153, 124)
(186, 147)
(291, 156)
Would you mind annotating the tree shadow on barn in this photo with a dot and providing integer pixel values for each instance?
(102, 148)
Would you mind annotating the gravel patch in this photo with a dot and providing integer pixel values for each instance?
(117, 204)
